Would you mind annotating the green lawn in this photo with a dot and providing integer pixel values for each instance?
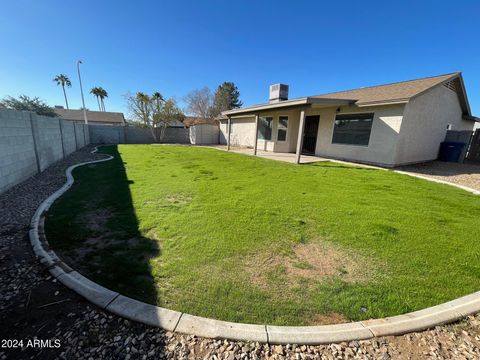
(246, 239)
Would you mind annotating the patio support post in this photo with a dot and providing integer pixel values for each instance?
(301, 127)
(256, 136)
(228, 132)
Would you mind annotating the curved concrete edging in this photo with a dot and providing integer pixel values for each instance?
(184, 323)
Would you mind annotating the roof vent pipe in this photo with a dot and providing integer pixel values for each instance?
(278, 92)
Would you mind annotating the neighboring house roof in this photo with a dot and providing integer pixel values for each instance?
(192, 120)
(399, 92)
(106, 117)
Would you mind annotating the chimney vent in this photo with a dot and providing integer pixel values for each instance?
(278, 92)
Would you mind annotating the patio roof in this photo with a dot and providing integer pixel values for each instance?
(299, 102)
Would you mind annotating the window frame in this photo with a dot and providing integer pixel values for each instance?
(352, 114)
(286, 129)
(271, 127)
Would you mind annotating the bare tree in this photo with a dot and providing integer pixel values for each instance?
(200, 103)
(153, 112)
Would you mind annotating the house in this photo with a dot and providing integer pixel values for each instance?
(387, 125)
(93, 117)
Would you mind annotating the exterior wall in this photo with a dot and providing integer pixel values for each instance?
(243, 132)
(425, 125)
(30, 143)
(383, 137)
(203, 134)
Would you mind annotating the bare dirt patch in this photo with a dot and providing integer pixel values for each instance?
(178, 199)
(326, 319)
(318, 261)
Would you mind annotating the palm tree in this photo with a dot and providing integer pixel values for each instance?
(143, 101)
(63, 80)
(158, 98)
(96, 92)
(102, 94)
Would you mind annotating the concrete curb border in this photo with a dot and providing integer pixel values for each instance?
(189, 324)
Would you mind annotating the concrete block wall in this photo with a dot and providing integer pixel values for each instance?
(176, 135)
(136, 135)
(80, 135)
(106, 134)
(112, 134)
(69, 138)
(48, 139)
(17, 150)
(29, 143)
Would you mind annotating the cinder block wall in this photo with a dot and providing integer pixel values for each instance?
(112, 134)
(17, 150)
(48, 139)
(29, 143)
(69, 138)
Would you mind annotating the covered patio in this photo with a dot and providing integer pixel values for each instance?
(279, 156)
(297, 112)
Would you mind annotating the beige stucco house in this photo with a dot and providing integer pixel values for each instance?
(388, 125)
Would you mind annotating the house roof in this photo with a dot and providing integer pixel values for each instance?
(192, 120)
(106, 117)
(399, 92)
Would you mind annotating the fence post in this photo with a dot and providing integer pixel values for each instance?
(75, 135)
(34, 128)
(61, 136)
(84, 136)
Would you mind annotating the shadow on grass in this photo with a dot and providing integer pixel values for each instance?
(94, 228)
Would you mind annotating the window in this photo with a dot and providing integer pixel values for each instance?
(265, 127)
(282, 128)
(353, 129)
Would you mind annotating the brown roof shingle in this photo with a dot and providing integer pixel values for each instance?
(399, 91)
(106, 117)
(191, 120)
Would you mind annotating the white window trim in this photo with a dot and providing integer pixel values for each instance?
(286, 129)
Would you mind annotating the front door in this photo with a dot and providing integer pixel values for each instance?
(310, 134)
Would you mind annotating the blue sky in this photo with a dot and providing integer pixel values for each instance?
(176, 46)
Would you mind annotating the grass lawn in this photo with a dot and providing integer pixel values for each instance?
(246, 239)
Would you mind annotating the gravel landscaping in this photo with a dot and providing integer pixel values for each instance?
(34, 305)
(461, 174)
